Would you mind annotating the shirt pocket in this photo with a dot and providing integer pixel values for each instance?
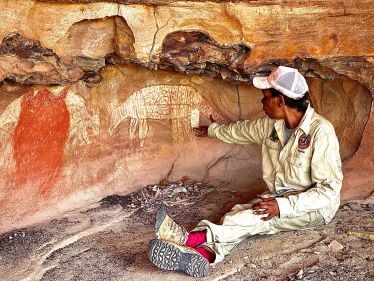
(298, 170)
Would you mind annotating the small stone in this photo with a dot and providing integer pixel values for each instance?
(155, 188)
(299, 275)
(10, 237)
(158, 193)
(333, 273)
(179, 190)
(336, 246)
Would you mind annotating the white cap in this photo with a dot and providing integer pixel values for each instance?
(286, 80)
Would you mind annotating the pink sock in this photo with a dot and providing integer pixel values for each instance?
(196, 239)
(210, 256)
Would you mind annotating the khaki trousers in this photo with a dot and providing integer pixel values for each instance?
(241, 223)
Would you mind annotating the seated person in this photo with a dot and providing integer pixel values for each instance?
(301, 166)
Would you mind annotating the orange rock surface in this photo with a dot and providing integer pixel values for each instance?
(139, 75)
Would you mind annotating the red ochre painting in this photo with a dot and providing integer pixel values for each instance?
(39, 139)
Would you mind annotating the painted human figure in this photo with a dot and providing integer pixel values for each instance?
(39, 138)
(301, 166)
(36, 131)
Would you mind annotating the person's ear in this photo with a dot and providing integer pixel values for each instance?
(280, 101)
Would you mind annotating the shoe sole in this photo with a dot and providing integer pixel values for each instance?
(160, 217)
(166, 256)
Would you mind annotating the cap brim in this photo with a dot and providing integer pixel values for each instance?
(261, 83)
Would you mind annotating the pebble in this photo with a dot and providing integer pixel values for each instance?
(345, 207)
(179, 190)
(299, 275)
(336, 246)
(158, 193)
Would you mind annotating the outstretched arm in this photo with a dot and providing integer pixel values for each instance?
(241, 132)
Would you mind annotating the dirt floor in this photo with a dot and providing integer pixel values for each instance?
(108, 241)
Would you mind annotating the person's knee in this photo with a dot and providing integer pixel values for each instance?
(316, 220)
(241, 207)
(306, 221)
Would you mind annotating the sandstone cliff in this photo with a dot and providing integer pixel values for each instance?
(97, 97)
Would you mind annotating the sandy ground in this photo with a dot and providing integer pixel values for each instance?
(108, 241)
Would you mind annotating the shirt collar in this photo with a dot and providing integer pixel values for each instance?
(306, 120)
(304, 123)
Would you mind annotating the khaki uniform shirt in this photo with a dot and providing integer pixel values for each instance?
(303, 174)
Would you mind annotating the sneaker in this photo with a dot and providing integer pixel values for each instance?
(169, 256)
(168, 230)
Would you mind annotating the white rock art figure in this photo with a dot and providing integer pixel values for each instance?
(83, 125)
(8, 121)
(160, 102)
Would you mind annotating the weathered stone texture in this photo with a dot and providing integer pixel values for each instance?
(276, 30)
(134, 76)
(194, 52)
(347, 105)
(27, 62)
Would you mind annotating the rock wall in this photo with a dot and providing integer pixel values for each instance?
(98, 98)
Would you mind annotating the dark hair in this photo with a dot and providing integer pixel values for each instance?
(301, 104)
